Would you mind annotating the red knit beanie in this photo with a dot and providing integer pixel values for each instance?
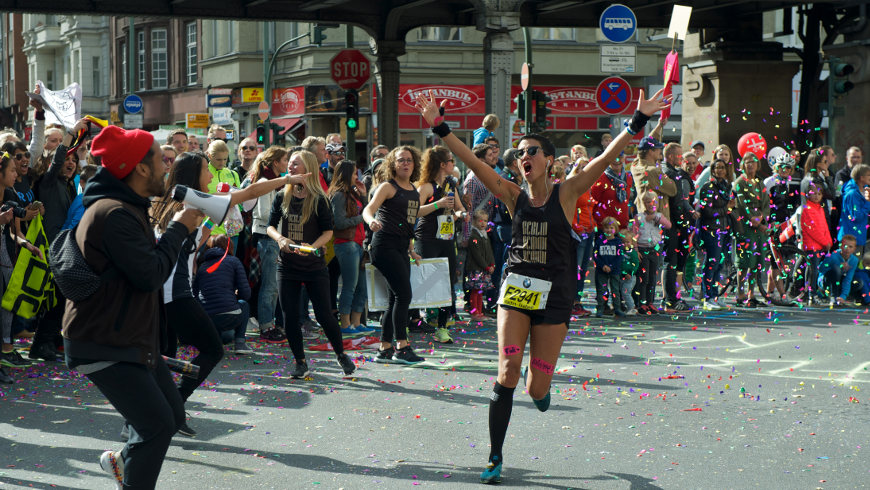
(121, 150)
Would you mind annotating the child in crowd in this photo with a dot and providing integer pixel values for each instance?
(816, 238)
(221, 285)
(480, 265)
(648, 228)
(862, 277)
(836, 271)
(630, 263)
(608, 268)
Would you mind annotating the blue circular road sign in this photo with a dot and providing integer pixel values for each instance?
(133, 104)
(617, 23)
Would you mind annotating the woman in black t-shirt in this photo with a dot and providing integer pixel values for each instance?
(391, 215)
(440, 213)
(302, 216)
(537, 291)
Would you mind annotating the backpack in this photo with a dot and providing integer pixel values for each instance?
(72, 274)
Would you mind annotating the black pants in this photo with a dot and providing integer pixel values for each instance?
(49, 324)
(429, 249)
(290, 298)
(334, 273)
(191, 325)
(152, 409)
(645, 289)
(608, 287)
(677, 253)
(391, 258)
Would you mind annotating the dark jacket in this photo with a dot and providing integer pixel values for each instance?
(57, 193)
(713, 205)
(608, 251)
(217, 290)
(480, 255)
(682, 204)
(123, 320)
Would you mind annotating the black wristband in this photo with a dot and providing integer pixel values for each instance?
(638, 121)
(441, 130)
(39, 115)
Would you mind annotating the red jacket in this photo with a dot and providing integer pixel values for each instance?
(583, 215)
(814, 228)
(606, 203)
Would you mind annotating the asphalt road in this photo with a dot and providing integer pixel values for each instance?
(749, 399)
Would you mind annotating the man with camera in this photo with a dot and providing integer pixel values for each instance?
(114, 336)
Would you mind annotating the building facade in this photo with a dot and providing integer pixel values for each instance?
(159, 62)
(63, 49)
(13, 73)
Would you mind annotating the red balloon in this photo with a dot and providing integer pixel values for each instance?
(752, 143)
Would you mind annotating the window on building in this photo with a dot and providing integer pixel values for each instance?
(140, 59)
(122, 47)
(553, 34)
(191, 53)
(440, 33)
(98, 75)
(159, 62)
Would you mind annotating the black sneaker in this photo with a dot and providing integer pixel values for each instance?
(14, 360)
(346, 364)
(5, 378)
(43, 351)
(682, 306)
(300, 370)
(406, 355)
(273, 336)
(185, 430)
(385, 355)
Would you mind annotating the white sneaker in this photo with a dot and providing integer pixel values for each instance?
(631, 312)
(710, 305)
(112, 463)
(721, 303)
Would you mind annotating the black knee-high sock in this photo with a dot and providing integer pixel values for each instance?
(500, 406)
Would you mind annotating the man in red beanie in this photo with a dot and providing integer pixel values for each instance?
(114, 336)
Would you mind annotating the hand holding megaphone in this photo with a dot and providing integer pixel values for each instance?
(189, 217)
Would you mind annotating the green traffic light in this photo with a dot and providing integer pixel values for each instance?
(352, 124)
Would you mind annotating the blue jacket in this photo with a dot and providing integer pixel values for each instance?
(853, 216)
(835, 260)
(608, 251)
(216, 291)
(74, 215)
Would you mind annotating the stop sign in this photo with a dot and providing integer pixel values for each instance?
(350, 69)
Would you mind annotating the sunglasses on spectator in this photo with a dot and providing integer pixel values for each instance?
(252, 148)
(531, 150)
(20, 156)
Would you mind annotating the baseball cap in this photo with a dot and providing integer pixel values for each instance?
(649, 143)
(334, 148)
(697, 143)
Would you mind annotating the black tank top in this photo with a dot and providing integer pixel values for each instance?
(398, 214)
(427, 226)
(542, 247)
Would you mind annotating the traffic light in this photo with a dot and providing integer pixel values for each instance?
(351, 104)
(261, 134)
(838, 78)
(541, 110)
(317, 34)
(520, 101)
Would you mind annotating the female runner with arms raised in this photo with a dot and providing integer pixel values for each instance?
(538, 291)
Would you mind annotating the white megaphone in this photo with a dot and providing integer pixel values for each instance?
(215, 207)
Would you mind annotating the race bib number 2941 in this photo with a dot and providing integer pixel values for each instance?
(524, 292)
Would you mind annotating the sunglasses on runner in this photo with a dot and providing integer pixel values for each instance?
(531, 150)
